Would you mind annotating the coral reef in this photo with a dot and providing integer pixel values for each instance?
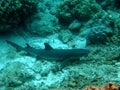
(110, 4)
(14, 74)
(110, 20)
(99, 23)
(43, 23)
(109, 86)
(14, 12)
(103, 54)
(100, 65)
(98, 35)
(81, 10)
(75, 26)
(43, 26)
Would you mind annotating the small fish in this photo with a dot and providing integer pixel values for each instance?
(63, 55)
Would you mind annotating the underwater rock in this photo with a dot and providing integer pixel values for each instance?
(83, 74)
(65, 36)
(103, 54)
(109, 19)
(117, 4)
(99, 1)
(44, 24)
(77, 42)
(81, 10)
(39, 28)
(14, 74)
(103, 18)
(75, 26)
(111, 4)
(14, 12)
(98, 35)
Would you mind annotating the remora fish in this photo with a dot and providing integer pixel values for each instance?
(64, 55)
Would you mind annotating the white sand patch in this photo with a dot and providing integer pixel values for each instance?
(52, 80)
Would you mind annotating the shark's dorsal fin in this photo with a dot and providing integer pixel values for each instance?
(28, 46)
(47, 46)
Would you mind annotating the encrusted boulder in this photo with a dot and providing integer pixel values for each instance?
(98, 35)
(81, 10)
(14, 12)
(15, 74)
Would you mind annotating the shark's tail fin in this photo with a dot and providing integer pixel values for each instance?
(15, 45)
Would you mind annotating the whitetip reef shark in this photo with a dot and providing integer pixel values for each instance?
(63, 55)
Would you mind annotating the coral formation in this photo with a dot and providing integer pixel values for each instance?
(14, 12)
(43, 23)
(81, 10)
(103, 54)
(75, 26)
(98, 35)
(109, 86)
(110, 20)
(43, 26)
(99, 65)
(14, 74)
(110, 4)
(99, 23)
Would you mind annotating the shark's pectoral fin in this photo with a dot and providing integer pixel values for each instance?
(67, 62)
(64, 63)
